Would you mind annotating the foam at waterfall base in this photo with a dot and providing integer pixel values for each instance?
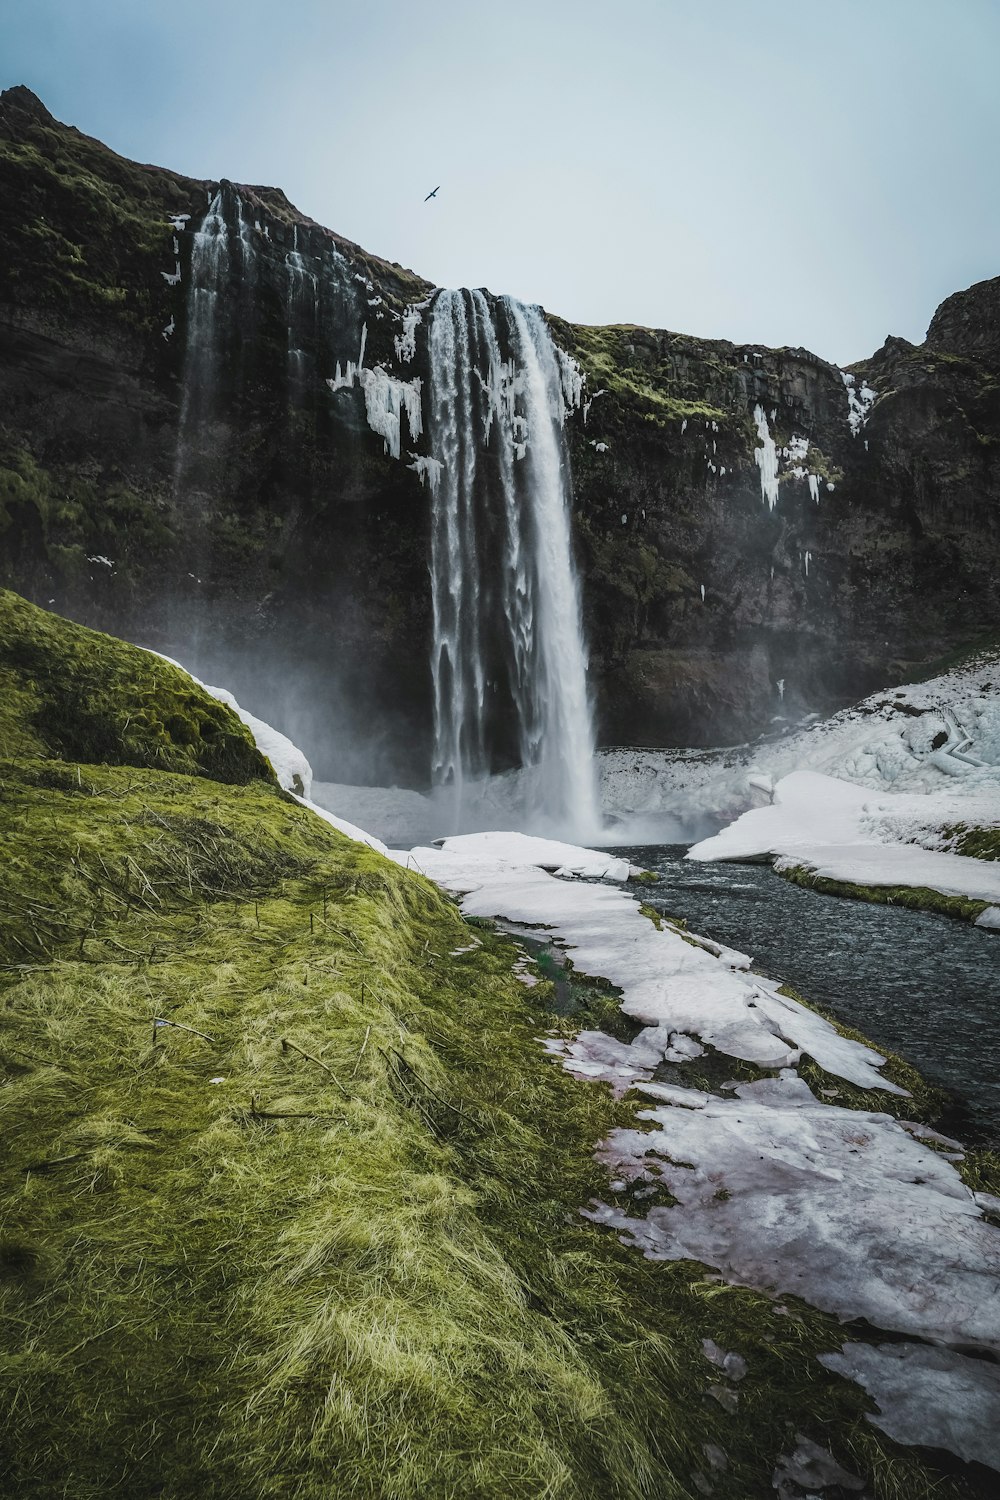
(402, 817)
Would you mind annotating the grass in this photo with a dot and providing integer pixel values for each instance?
(914, 897)
(320, 1234)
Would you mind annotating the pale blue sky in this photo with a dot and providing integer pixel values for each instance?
(811, 173)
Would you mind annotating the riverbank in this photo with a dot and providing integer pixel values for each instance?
(824, 831)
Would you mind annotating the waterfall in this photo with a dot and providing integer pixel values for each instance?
(209, 273)
(301, 306)
(508, 663)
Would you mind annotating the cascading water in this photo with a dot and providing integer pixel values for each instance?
(302, 308)
(209, 273)
(509, 663)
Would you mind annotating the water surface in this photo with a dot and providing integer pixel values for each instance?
(925, 986)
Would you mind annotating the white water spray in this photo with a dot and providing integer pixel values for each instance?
(508, 642)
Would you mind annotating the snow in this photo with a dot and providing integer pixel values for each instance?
(833, 829)
(672, 986)
(931, 751)
(857, 1213)
(841, 1207)
(343, 826)
(808, 1470)
(934, 1398)
(767, 459)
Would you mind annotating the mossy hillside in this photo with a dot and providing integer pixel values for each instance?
(356, 1263)
(291, 1197)
(78, 695)
(652, 393)
(86, 232)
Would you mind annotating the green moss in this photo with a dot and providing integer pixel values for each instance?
(980, 1169)
(974, 843)
(606, 356)
(914, 897)
(66, 515)
(81, 226)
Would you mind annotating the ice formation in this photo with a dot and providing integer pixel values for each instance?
(859, 402)
(386, 398)
(426, 469)
(406, 340)
(767, 459)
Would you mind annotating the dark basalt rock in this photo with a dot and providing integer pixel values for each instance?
(272, 545)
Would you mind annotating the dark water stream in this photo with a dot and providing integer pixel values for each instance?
(927, 987)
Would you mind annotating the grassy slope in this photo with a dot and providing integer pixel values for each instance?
(360, 1271)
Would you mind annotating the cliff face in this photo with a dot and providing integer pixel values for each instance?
(175, 466)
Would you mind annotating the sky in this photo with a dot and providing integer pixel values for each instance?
(795, 172)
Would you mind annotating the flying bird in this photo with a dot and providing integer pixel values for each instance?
(434, 194)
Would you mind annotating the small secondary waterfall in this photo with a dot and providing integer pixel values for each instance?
(210, 264)
(206, 340)
(302, 309)
(509, 662)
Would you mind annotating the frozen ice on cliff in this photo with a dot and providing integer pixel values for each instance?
(766, 457)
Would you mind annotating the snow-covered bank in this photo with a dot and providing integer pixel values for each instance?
(856, 1212)
(874, 797)
(836, 831)
(939, 739)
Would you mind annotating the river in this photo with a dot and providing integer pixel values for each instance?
(925, 986)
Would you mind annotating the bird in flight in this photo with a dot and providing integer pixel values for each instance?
(434, 194)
